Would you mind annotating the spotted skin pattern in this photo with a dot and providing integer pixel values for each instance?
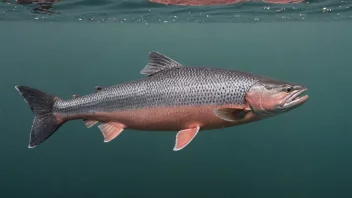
(184, 86)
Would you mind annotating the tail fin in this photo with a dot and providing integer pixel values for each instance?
(45, 123)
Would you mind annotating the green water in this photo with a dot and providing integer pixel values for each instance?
(304, 153)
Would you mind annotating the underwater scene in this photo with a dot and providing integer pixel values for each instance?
(176, 98)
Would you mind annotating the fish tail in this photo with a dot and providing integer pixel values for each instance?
(45, 123)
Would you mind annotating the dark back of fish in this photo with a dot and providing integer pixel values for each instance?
(173, 87)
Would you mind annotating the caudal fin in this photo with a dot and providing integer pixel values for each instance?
(45, 123)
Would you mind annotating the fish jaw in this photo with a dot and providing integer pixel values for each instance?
(295, 99)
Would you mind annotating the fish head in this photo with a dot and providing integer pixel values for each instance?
(269, 97)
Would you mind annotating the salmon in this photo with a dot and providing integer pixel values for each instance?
(172, 97)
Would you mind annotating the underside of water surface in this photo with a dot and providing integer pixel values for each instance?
(170, 11)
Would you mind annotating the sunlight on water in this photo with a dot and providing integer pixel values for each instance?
(143, 11)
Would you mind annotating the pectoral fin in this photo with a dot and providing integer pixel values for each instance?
(110, 131)
(184, 137)
(231, 114)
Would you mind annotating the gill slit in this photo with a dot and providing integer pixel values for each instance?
(261, 104)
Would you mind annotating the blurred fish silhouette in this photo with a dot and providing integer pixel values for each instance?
(41, 6)
(219, 2)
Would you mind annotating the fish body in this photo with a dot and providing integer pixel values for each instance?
(172, 98)
(169, 100)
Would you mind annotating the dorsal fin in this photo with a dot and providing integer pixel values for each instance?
(159, 62)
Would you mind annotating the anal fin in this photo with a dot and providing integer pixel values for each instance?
(110, 130)
(90, 123)
(184, 137)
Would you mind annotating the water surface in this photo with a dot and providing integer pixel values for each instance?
(143, 11)
(304, 153)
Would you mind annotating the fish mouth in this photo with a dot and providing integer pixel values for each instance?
(295, 99)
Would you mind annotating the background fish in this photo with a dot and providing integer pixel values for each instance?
(219, 2)
(172, 98)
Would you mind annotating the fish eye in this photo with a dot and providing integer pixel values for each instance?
(288, 89)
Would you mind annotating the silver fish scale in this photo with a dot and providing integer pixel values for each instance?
(173, 87)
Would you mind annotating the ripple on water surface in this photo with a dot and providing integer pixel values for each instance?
(144, 11)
